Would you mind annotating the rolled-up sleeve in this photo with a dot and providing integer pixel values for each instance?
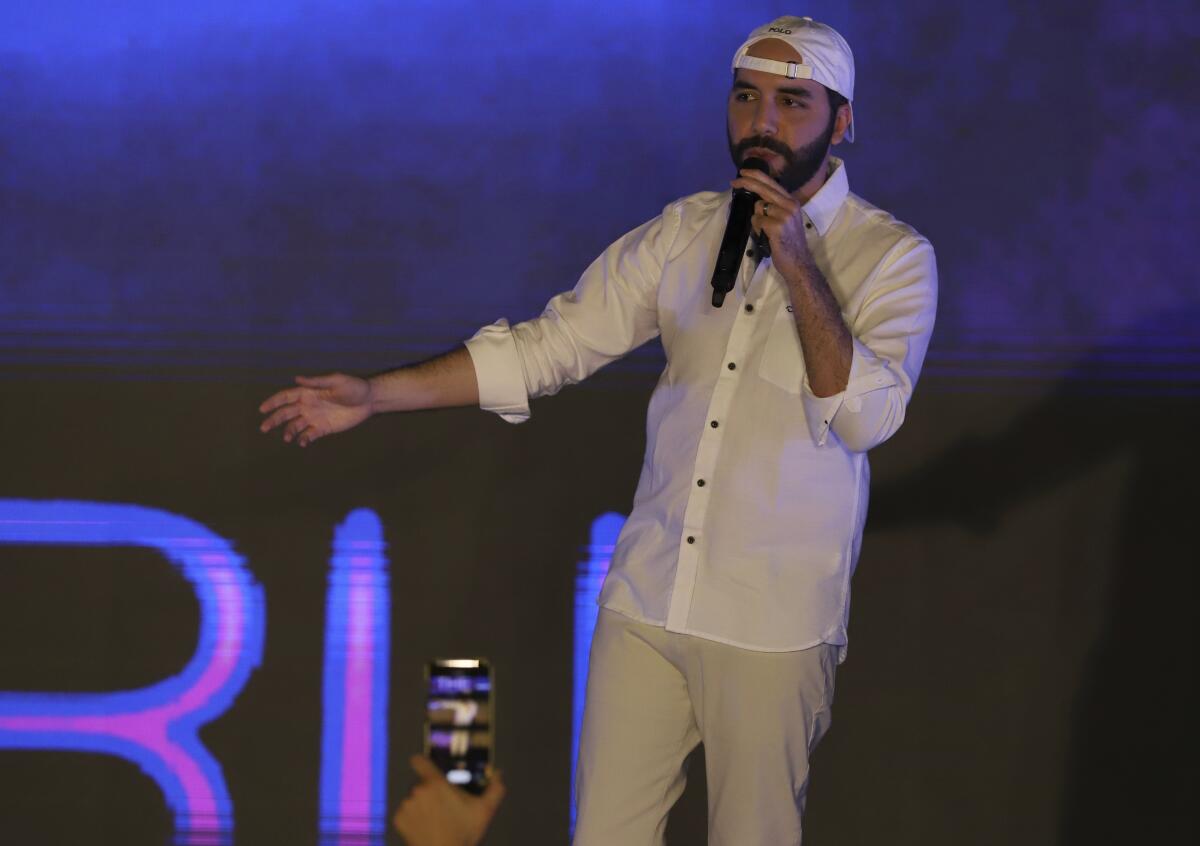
(498, 372)
(890, 337)
(612, 310)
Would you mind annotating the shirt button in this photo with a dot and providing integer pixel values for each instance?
(732, 366)
(808, 225)
(691, 539)
(749, 307)
(699, 483)
(714, 424)
(750, 253)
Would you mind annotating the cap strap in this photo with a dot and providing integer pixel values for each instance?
(792, 70)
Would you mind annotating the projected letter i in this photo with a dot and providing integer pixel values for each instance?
(357, 641)
(589, 578)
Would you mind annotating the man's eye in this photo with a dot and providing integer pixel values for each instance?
(793, 103)
(743, 96)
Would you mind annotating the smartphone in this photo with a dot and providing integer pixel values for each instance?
(459, 720)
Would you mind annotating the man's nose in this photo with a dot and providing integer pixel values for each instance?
(765, 118)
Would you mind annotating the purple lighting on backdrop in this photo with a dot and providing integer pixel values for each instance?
(154, 727)
(357, 648)
(265, 184)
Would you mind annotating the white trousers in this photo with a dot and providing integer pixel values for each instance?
(653, 695)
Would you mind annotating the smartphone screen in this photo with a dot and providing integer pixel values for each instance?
(458, 720)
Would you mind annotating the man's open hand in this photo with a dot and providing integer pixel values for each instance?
(320, 406)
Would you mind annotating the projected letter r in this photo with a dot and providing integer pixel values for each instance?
(154, 727)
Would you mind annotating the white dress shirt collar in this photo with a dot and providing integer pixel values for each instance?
(824, 205)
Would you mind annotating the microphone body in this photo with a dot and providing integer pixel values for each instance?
(737, 233)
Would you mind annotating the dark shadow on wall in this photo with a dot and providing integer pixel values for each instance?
(1129, 774)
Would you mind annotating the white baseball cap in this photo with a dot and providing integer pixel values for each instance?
(825, 56)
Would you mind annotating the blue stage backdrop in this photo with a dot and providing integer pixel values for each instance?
(273, 183)
(209, 637)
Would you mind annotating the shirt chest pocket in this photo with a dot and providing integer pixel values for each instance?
(783, 361)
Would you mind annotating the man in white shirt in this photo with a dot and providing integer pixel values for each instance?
(724, 612)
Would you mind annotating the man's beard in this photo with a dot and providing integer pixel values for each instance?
(799, 166)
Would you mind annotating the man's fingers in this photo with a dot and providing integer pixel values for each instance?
(760, 176)
(307, 436)
(425, 768)
(779, 201)
(277, 399)
(295, 427)
(764, 186)
(773, 219)
(768, 225)
(281, 416)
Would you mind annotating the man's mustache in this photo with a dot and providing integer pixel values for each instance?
(765, 143)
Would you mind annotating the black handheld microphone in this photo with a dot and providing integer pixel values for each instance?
(737, 233)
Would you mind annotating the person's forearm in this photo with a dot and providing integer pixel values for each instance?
(441, 382)
(824, 338)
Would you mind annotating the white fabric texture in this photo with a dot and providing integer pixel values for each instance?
(792, 70)
(760, 555)
(652, 695)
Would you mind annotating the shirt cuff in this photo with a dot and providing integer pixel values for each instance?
(868, 373)
(498, 372)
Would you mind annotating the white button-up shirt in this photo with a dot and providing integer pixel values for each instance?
(749, 512)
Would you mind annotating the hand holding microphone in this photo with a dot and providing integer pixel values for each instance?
(781, 223)
(737, 233)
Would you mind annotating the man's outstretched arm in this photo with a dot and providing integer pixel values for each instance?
(323, 405)
(611, 310)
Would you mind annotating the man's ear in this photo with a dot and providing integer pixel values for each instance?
(841, 123)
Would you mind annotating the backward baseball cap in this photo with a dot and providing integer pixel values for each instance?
(825, 56)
